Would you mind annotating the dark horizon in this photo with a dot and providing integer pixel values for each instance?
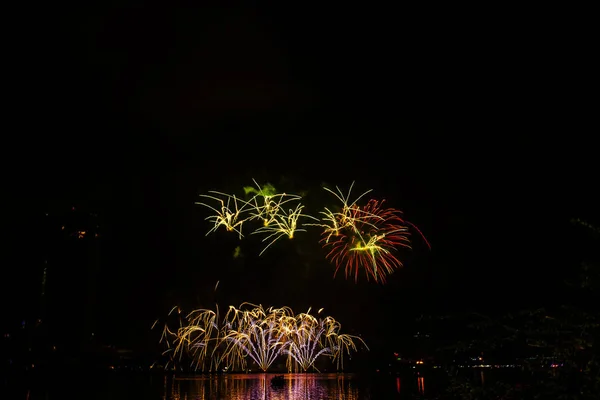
(145, 110)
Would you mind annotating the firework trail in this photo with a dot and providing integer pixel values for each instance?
(253, 333)
(365, 237)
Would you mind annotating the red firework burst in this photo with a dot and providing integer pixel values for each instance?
(369, 238)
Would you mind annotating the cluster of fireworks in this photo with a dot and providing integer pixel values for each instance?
(251, 333)
(356, 236)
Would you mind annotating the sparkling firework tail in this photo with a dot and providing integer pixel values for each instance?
(346, 199)
(260, 340)
(334, 223)
(270, 207)
(368, 242)
(344, 345)
(307, 344)
(285, 224)
(340, 343)
(262, 335)
(224, 216)
(266, 203)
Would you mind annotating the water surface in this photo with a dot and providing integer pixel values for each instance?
(145, 386)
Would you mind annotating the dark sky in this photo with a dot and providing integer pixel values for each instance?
(474, 128)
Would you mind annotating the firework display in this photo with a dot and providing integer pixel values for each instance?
(266, 206)
(365, 237)
(228, 213)
(251, 335)
(357, 237)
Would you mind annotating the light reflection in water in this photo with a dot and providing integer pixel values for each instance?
(259, 387)
(242, 386)
(482, 376)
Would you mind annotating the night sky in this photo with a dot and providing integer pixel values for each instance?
(469, 127)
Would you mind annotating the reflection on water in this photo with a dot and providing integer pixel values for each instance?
(127, 386)
(259, 386)
(482, 377)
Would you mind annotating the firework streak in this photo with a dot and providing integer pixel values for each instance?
(250, 335)
(357, 237)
